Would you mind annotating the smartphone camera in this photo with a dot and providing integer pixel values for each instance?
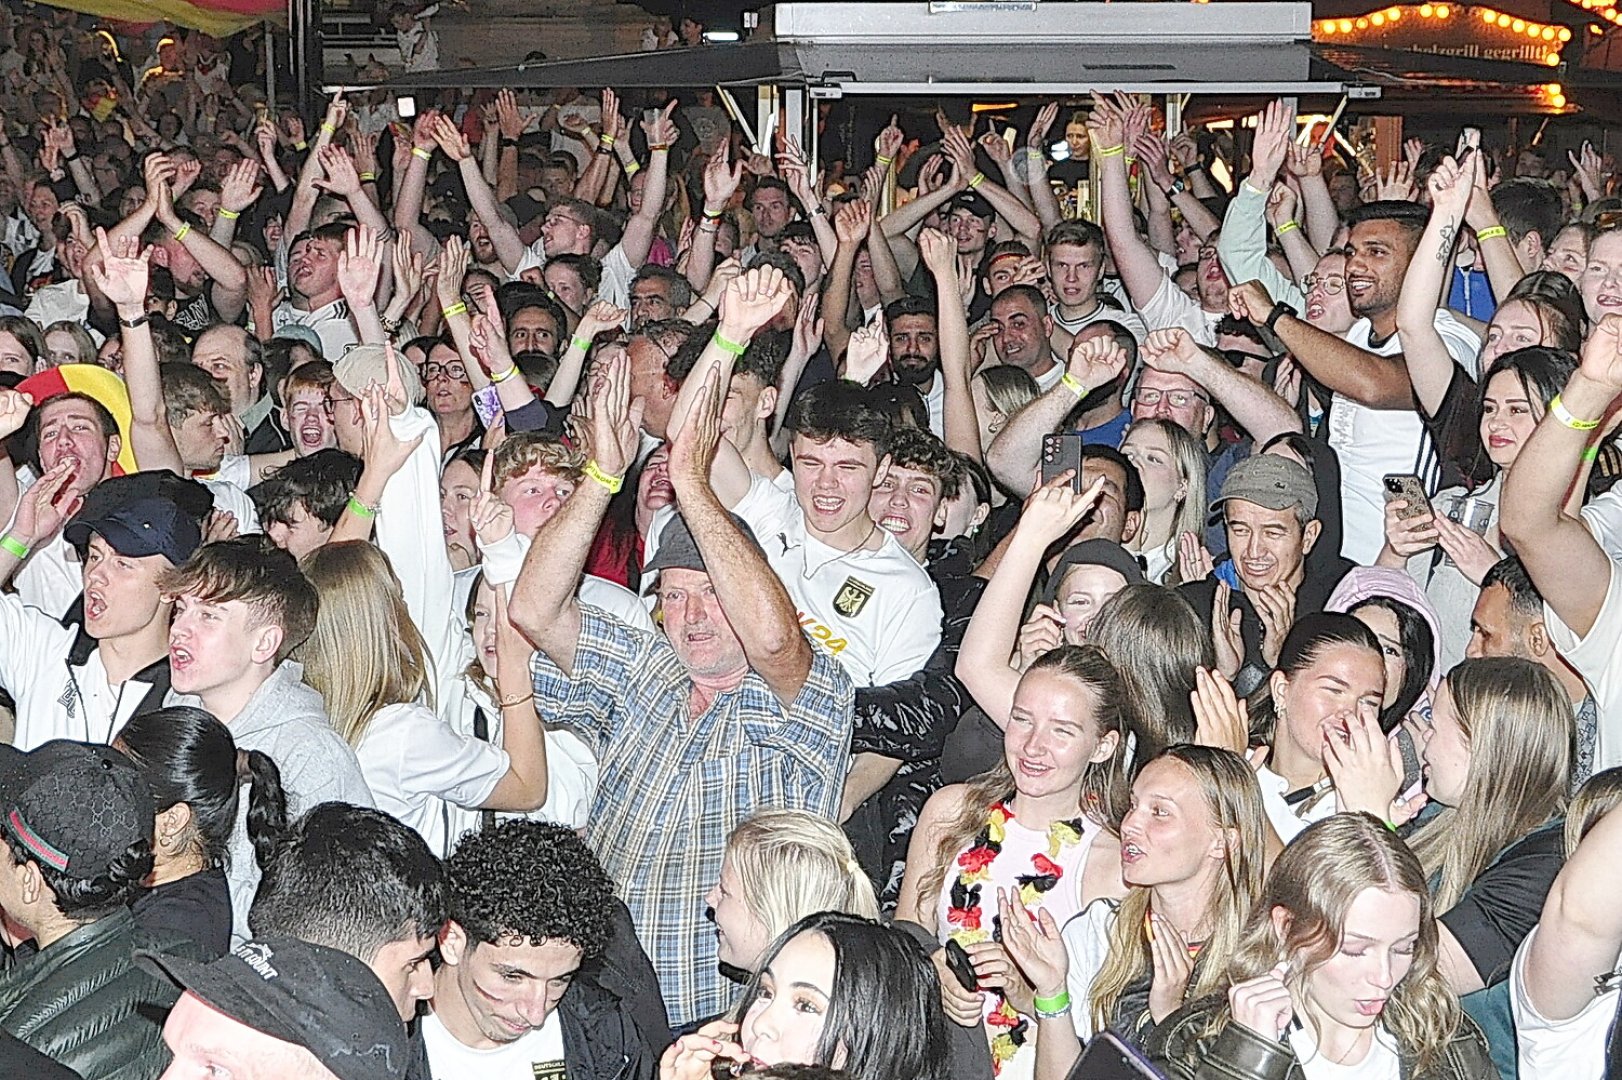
(405, 106)
(1059, 151)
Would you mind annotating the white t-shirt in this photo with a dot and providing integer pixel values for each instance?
(1285, 819)
(1380, 1063)
(1374, 442)
(1170, 306)
(877, 612)
(230, 497)
(1101, 313)
(1603, 516)
(1595, 658)
(1086, 939)
(1049, 378)
(615, 286)
(418, 766)
(1572, 1049)
(330, 322)
(537, 1055)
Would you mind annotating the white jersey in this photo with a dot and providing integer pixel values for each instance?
(536, 1055)
(878, 612)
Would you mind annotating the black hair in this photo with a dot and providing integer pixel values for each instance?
(839, 409)
(1527, 205)
(680, 341)
(1029, 293)
(1133, 491)
(531, 880)
(681, 293)
(905, 306)
(785, 264)
(1524, 598)
(1418, 650)
(1542, 372)
(188, 756)
(920, 450)
(900, 404)
(884, 1011)
(353, 879)
(321, 483)
(1306, 641)
(766, 183)
(1409, 216)
(786, 1071)
(85, 900)
(586, 268)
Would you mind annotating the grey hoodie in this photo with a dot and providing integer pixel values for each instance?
(286, 719)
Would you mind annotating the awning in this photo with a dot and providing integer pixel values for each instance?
(217, 18)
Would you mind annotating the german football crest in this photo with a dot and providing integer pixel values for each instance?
(852, 597)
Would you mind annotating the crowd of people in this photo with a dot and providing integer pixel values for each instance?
(518, 591)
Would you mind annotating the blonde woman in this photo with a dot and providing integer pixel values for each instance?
(779, 867)
(1336, 975)
(369, 662)
(1192, 852)
(1172, 464)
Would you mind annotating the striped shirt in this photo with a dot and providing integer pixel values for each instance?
(673, 786)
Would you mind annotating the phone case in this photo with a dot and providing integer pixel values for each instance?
(1409, 488)
(1062, 451)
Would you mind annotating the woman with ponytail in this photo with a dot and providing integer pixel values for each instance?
(195, 771)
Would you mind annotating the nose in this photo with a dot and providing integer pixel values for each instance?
(693, 609)
(1383, 977)
(534, 1008)
(1162, 408)
(898, 497)
(421, 986)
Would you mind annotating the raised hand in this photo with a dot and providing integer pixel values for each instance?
(1589, 169)
(1275, 607)
(996, 148)
(1036, 136)
(1396, 183)
(1033, 943)
(1275, 127)
(1152, 153)
(360, 265)
(240, 188)
(721, 179)
(450, 139)
(1221, 717)
(808, 327)
(1106, 124)
(1302, 161)
(1135, 111)
(452, 264)
(364, 152)
(1095, 362)
(408, 266)
(752, 300)
(867, 353)
(44, 507)
(1185, 150)
(1225, 619)
(1039, 635)
(692, 452)
(961, 155)
(890, 140)
(600, 315)
(1249, 300)
(613, 421)
(263, 292)
(1172, 350)
(1194, 562)
(122, 271)
(853, 220)
(1450, 186)
(1602, 354)
(661, 129)
(513, 123)
(1281, 203)
(691, 1057)
(796, 172)
(1054, 509)
(938, 251)
(14, 409)
(341, 177)
(187, 170)
(492, 519)
(1469, 551)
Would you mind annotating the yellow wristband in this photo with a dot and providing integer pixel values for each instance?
(426, 155)
(180, 233)
(1109, 151)
(978, 179)
(1558, 410)
(1073, 384)
(505, 375)
(632, 167)
(1492, 232)
(581, 343)
(229, 215)
(328, 128)
(886, 160)
(368, 177)
(612, 483)
(1286, 227)
(301, 145)
(454, 310)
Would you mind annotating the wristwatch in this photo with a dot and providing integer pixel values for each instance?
(1280, 310)
(1176, 189)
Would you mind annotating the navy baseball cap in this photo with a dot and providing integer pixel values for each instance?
(150, 525)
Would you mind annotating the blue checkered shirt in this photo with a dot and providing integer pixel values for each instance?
(674, 786)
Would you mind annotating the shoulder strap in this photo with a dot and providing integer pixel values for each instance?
(481, 731)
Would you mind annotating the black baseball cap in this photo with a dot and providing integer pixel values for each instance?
(309, 995)
(74, 807)
(1094, 552)
(679, 551)
(973, 202)
(151, 525)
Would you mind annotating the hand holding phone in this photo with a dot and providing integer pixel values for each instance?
(1061, 451)
(1407, 487)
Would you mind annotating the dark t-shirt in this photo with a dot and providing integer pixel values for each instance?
(17, 1058)
(1504, 902)
(197, 906)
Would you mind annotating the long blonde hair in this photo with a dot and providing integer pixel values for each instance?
(365, 652)
(1234, 802)
(791, 864)
(1103, 784)
(1520, 727)
(1315, 881)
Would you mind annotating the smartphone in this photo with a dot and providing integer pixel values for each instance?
(957, 960)
(1060, 451)
(1407, 486)
(1109, 1057)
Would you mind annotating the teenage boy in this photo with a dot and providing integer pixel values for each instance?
(241, 606)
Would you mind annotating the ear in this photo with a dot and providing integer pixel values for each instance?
(1222, 843)
(882, 471)
(175, 820)
(940, 516)
(453, 943)
(256, 381)
(267, 642)
(766, 406)
(160, 255)
(1280, 916)
(1537, 639)
(1278, 684)
(30, 883)
(1309, 536)
(1130, 524)
(1106, 747)
(981, 512)
(115, 446)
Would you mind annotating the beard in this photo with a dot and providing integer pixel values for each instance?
(914, 369)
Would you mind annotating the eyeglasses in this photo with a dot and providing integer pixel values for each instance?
(454, 372)
(1177, 399)
(1333, 284)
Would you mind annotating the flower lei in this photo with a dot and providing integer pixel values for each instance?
(965, 913)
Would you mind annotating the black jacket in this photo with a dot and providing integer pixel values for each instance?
(1178, 1048)
(601, 1039)
(83, 1001)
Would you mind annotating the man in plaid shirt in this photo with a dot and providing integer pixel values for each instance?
(726, 712)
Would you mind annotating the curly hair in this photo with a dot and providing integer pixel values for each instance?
(530, 880)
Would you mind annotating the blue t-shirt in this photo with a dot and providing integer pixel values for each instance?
(1110, 432)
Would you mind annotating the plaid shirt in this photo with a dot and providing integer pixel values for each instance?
(674, 785)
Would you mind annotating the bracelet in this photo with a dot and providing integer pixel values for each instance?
(1073, 384)
(505, 375)
(728, 346)
(69, 159)
(581, 343)
(301, 145)
(1492, 232)
(229, 215)
(1051, 1008)
(595, 471)
(1109, 151)
(180, 233)
(132, 324)
(702, 300)
(361, 510)
(508, 703)
(1286, 227)
(978, 179)
(328, 128)
(14, 546)
(368, 177)
(886, 161)
(632, 167)
(426, 155)
(655, 147)
(1558, 410)
(1591, 455)
(605, 140)
(454, 310)
(713, 215)
(1388, 823)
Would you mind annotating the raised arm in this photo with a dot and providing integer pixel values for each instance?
(637, 240)
(1043, 200)
(239, 190)
(721, 181)
(1424, 288)
(983, 660)
(1504, 267)
(599, 315)
(1379, 382)
(796, 172)
(1019, 217)
(1306, 164)
(304, 196)
(1563, 559)
(1014, 454)
(230, 278)
(853, 223)
(1135, 260)
(119, 270)
(962, 429)
(1252, 404)
(343, 180)
(1580, 932)
(408, 202)
(754, 600)
(503, 237)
